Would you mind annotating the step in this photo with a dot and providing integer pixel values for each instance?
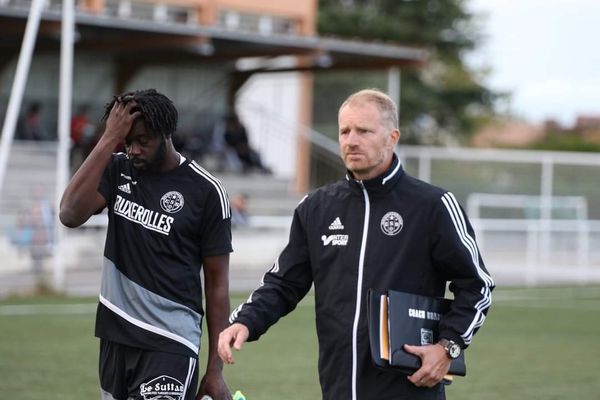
(256, 185)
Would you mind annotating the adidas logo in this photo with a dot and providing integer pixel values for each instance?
(336, 225)
(125, 188)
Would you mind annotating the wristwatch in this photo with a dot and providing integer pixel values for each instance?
(452, 348)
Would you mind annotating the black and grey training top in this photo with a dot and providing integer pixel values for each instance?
(160, 227)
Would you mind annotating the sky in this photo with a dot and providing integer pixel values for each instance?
(545, 52)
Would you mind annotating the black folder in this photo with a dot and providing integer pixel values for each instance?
(398, 318)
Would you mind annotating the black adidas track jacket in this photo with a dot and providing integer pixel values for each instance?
(390, 232)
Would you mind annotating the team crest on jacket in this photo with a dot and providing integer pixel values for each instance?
(172, 202)
(391, 223)
(162, 388)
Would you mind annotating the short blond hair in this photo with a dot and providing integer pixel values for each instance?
(386, 106)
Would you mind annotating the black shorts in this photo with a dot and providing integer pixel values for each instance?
(129, 373)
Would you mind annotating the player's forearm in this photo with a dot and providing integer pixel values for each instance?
(81, 198)
(217, 300)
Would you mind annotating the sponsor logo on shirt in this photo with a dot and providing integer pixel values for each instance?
(149, 219)
(128, 178)
(125, 188)
(336, 225)
(335, 240)
(162, 388)
(391, 223)
(172, 202)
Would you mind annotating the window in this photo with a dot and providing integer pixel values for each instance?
(264, 24)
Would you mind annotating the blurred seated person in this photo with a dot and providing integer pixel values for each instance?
(239, 210)
(29, 126)
(191, 144)
(82, 134)
(237, 139)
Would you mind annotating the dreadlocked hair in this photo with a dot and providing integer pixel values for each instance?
(158, 111)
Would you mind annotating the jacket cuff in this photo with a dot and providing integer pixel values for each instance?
(451, 335)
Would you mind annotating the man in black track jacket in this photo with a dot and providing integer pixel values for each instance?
(382, 229)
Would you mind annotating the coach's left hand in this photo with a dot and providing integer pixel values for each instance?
(214, 385)
(435, 363)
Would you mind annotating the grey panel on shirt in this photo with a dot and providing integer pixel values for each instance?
(148, 310)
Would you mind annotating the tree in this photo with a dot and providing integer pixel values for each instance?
(443, 99)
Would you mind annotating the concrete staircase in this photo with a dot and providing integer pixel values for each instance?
(30, 173)
(267, 195)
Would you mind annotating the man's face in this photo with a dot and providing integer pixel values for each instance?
(146, 152)
(366, 143)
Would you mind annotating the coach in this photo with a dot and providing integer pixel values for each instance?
(382, 229)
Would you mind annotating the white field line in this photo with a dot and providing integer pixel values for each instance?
(554, 304)
(48, 309)
(557, 293)
(588, 298)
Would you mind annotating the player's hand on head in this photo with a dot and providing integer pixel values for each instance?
(235, 336)
(121, 117)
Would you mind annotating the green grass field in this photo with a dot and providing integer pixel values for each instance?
(536, 344)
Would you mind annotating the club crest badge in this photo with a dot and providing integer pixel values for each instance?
(391, 223)
(172, 202)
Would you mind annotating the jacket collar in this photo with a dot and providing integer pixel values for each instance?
(381, 183)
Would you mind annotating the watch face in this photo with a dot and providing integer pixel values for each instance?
(454, 350)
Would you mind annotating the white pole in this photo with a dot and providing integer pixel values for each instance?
(394, 86)
(18, 88)
(532, 251)
(546, 189)
(424, 167)
(64, 131)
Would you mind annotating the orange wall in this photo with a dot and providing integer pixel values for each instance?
(305, 11)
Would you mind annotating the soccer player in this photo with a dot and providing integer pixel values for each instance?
(167, 219)
(377, 229)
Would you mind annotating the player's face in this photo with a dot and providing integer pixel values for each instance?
(366, 143)
(146, 152)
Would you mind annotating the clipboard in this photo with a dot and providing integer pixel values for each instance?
(398, 318)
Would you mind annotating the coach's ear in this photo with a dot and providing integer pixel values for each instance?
(393, 139)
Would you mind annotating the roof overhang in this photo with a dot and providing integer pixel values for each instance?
(143, 41)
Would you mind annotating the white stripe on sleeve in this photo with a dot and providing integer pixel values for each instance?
(468, 241)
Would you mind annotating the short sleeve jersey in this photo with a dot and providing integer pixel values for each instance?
(161, 225)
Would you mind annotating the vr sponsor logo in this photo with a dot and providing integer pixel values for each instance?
(149, 219)
(162, 388)
(335, 240)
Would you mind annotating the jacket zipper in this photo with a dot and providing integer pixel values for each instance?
(361, 262)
